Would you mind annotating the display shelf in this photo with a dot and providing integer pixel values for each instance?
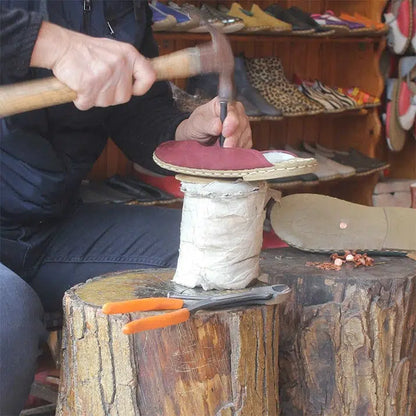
(350, 61)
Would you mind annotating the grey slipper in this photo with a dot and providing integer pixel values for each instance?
(319, 223)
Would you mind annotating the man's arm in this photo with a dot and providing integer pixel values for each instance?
(102, 71)
(18, 33)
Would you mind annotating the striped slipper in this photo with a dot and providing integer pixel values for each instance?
(192, 158)
(324, 224)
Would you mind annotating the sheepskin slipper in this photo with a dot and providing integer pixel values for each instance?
(192, 158)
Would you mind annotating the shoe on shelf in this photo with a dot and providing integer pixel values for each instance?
(251, 23)
(330, 105)
(299, 27)
(247, 90)
(381, 28)
(252, 112)
(306, 18)
(332, 100)
(267, 75)
(184, 101)
(227, 24)
(346, 102)
(355, 28)
(400, 20)
(161, 22)
(412, 44)
(362, 164)
(328, 169)
(362, 98)
(141, 192)
(330, 21)
(406, 92)
(275, 25)
(395, 135)
(194, 13)
(184, 22)
(369, 26)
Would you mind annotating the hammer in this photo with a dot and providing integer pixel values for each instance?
(214, 56)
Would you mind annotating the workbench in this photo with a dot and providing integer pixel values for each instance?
(344, 343)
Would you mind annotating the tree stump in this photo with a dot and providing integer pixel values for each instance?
(347, 338)
(221, 362)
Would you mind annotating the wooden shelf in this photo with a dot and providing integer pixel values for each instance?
(346, 113)
(265, 37)
(334, 60)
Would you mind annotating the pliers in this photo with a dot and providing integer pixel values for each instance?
(184, 305)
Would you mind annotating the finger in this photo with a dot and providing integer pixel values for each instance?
(243, 140)
(105, 99)
(123, 91)
(144, 75)
(205, 119)
(84, 102)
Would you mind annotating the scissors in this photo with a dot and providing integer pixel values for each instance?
(184, 305)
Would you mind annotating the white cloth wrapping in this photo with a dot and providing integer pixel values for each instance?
(221, 234)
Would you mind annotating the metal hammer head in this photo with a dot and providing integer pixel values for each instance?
(217, 56)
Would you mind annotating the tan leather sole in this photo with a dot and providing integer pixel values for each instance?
(319, 223)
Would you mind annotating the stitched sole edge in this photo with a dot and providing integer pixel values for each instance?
(297, 166)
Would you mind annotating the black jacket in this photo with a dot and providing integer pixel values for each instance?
(46, 153)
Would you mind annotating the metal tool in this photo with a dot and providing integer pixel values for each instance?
(185, 305)
(214, 56)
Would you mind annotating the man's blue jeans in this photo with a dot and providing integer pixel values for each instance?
(97, 239)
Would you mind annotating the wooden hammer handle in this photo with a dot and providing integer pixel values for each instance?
(41, 93)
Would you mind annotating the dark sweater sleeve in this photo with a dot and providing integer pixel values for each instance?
(18, 33)
(155, 115)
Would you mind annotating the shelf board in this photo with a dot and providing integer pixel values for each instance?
(244, 37)
(346, 113)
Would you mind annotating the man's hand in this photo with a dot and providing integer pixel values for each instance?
(204, 125)
(102, 71)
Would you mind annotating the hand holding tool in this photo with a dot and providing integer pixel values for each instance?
(262, 295)
(214, 56)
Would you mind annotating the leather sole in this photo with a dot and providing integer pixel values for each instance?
(191, 158)
(324, 224)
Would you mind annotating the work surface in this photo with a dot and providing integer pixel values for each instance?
(290, 262)
(347, 339)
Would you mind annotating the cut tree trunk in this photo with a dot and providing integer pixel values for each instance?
(347, 338)
(217, 363)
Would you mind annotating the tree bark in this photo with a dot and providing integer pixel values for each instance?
(217, 363)
(347, 338)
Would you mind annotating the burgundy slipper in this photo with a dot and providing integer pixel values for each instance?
(192, 158)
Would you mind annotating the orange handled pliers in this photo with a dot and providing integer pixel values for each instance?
(184, 305)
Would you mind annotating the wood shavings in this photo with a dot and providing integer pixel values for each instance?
(337, 261)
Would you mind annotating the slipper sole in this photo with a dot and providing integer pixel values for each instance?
(396, 136)
(292, 167)
(324, 224)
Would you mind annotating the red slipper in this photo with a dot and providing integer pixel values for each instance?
(400, 21)
(406, 107)
(192, 158)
